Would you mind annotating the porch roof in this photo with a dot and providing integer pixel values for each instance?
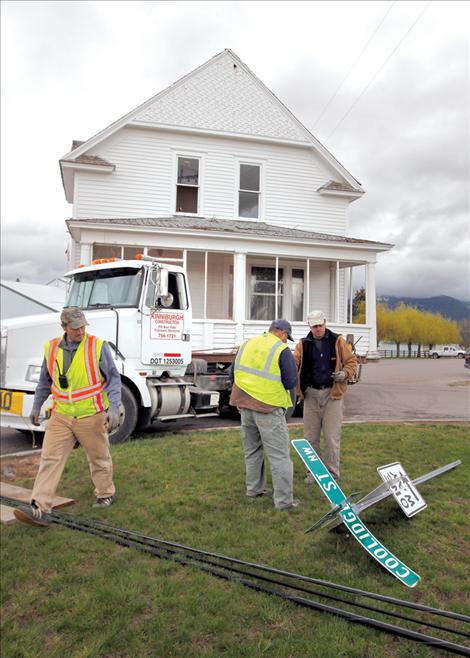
(238, 228)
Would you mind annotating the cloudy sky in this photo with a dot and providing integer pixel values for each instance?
(384, 85)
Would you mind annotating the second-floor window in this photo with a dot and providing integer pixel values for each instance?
(249, 191)
(187, 185)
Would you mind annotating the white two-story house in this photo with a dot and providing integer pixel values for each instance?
(217, 174)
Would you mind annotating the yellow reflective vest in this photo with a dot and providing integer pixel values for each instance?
(85, 394)
(257, 371)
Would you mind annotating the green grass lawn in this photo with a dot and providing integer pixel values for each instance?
(67, 594)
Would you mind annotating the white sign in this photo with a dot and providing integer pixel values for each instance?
(166, 325)
(404, 491)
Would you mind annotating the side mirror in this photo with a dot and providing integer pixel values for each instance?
(163, 282)
(161, 287)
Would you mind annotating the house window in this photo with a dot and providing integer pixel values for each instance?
(113, 251)
(106, 251)
(163, 254)
(187, 185)
(249, 191)
(263, 293)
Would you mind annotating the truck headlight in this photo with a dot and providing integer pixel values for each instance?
(32, 374)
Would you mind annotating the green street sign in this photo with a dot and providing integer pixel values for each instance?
(356, 527)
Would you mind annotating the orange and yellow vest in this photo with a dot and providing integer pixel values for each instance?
(257, 370)
(85, 394)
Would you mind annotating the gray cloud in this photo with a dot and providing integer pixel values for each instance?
(71, 68)
(34, 253)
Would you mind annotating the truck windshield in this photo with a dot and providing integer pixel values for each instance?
(109, 287)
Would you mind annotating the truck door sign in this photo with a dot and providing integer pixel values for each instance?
(166, 326)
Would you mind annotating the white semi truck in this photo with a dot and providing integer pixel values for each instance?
(143, 309)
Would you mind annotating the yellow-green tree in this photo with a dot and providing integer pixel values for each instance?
(406, 324)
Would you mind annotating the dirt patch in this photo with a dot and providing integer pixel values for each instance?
(19, 468)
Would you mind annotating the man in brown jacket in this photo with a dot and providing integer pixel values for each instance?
(324, 363)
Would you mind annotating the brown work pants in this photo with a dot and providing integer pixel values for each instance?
(322, 414)
(59, 440)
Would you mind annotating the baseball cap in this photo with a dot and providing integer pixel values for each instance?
(315, 317)
(282, 325)
(73, 317)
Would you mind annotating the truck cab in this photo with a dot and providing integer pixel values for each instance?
(143, 309)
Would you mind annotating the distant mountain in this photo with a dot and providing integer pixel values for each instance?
(447, 306)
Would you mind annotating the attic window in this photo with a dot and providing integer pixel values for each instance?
(187, 186)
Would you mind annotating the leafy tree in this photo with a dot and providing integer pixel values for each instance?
(406, 324)
(464, 326)
(359, 307)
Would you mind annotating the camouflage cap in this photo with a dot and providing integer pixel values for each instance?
(73, 317)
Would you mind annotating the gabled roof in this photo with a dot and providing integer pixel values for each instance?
(241, 228)
(341, 189)
(158, 112)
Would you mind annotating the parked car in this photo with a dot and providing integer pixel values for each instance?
(467, 359)
(446, 350)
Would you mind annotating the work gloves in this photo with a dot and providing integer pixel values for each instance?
(340, 376)
(113, 419)
(34, 418)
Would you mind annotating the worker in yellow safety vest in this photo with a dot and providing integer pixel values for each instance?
(264, 373)
(79, 372)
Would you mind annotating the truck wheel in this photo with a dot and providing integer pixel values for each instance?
(128, 413)
(435, 356)
(460, 355)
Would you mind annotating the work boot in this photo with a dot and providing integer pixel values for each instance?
(103, 502)
(265, 492)
(33, 515)
(295, 503)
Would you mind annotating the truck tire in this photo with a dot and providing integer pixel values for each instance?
(435, 355)
(128, 412)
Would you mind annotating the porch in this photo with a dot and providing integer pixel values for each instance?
(221, 335)
(243, 275)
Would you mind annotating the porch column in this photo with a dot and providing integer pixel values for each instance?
(85, 253)
(350, 294)
(239, 295)
(346, 273)
(307, 291)
(334, 291)
(337, 292)
(371, 313)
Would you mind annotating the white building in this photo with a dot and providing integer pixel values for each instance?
(216, 173)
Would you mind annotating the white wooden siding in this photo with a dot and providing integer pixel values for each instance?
(221, 335)
(320, 287)
(195, 269)
(142, 184)
(219, 286)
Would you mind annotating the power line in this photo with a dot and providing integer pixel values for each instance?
(353, 65)
(376, 74)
